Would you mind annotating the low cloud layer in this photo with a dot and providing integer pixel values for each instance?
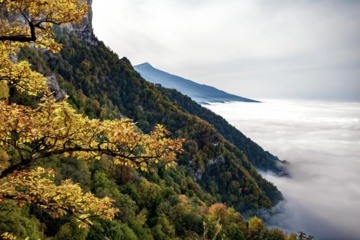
(321, 141)
(254, 48)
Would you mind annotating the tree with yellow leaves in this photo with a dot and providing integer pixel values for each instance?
(54, 128)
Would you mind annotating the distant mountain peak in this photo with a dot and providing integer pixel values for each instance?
(200, 93)
(144, 64)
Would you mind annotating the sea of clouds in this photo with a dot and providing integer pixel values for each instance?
(321, 141)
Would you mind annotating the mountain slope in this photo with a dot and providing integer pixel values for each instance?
(261, 159)
(103, 86)
(211, 172)
(197, 92)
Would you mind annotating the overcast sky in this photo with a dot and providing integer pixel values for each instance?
(252, 48)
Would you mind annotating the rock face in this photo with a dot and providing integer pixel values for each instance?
(85, 33)
(84, 30)
(53, 85)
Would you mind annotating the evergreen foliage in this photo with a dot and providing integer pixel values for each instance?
(261, 159)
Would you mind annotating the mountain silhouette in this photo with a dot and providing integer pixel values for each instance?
(197, 92)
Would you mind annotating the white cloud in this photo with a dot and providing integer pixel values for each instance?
(321, 140)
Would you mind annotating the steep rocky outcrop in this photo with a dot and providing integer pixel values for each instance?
(53, 85)
(84, 31)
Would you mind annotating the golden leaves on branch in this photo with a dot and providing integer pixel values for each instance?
(38, 16)
(55, 128)
(36, 186)
(7, 235)
(28, 23)
(23, 78)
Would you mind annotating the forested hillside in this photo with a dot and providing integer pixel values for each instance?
(261, 159)
(102, 81)
(205, 196)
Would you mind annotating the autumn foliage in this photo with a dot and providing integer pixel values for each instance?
(28, 134)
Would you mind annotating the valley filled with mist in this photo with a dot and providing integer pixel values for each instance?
(321, 142)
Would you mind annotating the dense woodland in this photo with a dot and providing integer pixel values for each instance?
(213, 192)
(261, 159)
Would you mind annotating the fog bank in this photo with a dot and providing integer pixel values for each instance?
(321, 141)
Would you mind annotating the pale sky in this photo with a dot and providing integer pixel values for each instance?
(252, 48)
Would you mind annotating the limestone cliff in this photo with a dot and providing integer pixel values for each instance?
(84, 30)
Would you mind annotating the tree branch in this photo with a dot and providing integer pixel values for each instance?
(27, 161)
